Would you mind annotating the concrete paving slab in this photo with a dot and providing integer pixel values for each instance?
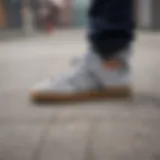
(128, 137)
(93, 111)
(18, 142)
(16, 108)
(66, 141)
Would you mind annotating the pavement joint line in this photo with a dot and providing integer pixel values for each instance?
(43, 138)
(89, 152)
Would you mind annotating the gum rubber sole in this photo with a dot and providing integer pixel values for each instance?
(116, 92)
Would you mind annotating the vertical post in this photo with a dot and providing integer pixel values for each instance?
(156, 14)
(144, 16)
(28, 25)
(2, 16)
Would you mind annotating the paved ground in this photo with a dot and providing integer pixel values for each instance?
(107, 130)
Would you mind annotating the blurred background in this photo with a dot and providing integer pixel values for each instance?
(46, 14)
(42, 14)
(38, 38)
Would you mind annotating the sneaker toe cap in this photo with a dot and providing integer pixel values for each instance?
(48, 87)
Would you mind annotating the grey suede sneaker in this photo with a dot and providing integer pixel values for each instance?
(91, 78)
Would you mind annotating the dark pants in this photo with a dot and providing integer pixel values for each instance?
(111, 26)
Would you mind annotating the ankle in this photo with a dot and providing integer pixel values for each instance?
(113, 64)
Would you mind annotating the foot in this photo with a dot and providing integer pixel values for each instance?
(91, 78)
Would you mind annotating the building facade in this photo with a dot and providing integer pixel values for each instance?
(10, 14)
(74, 13)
